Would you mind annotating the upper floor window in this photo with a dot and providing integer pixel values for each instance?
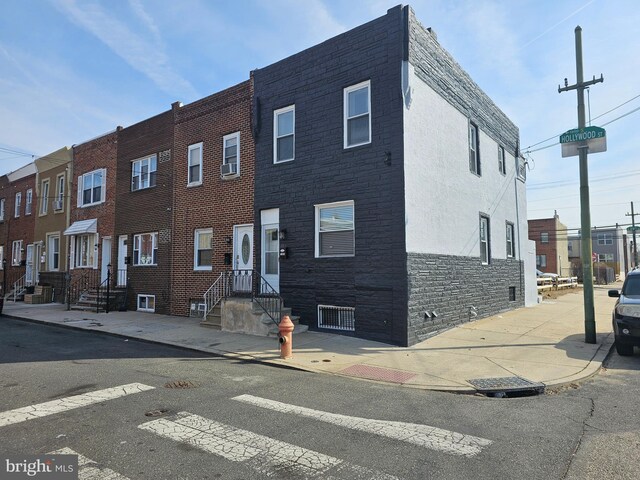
(544, 237)
(335, 229)
(511, 246)
(18, 204)
(91, 188)
(203, 249)
(485, 240)
(16, 253)
(29, 202)
(284, 124)
(502, 165)
(230, 155)
(1, 209)
(474, 148)
(605, 239)
(195, 164)
(143, 173)
(145, 249)
(44, 197)
(59, 201)
(357, 114)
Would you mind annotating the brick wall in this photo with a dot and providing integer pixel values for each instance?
(218, 204)
(20, 228)
(146, 210)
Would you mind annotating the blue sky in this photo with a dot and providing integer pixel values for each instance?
(73, 69)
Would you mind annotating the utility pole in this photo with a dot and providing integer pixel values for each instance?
(585, 213)
(633, 228)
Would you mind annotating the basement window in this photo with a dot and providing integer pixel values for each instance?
(147, 303)
(337, 318)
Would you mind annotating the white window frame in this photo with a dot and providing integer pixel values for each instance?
(345, 100)
(28, 202)
(147, 180)
(320, 207)
(16, 253)
(539, 260)
(196, 249)
(91, 251)
(474, 149)
(502, 162)
(82, 179)
(18, 205)
(486, 239)
(225, 160)
(277, 136)
(137, 239)
(195, 146)
(146, 308)
(511, 245)
(44, 197)
(2, 205)
(605, 239)
(2, 258)
(51, 253)
(544, 237)
(60, 181)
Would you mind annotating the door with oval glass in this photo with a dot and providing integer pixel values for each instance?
(242, 257)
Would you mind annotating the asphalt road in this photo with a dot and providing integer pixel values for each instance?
(240, 420)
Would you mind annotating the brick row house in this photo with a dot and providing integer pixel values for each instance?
(367, 183)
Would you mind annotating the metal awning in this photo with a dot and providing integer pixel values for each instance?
(82, 226)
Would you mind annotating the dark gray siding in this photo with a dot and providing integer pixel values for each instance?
(375, 280)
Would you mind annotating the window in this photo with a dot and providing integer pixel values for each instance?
(29, 202)
(18, 204)
(502, 165)
(60, 193)
(357, 115)
(511, 247)
(230, 155)
(44, 197)
(143, 173)
(195, 165)
(203, 249)
(1, 256)
(570, 247)
(284, 138)
(16, 253)
(1, 209)
(485, 251)
(541, 261)
(53, 252)
(145, 249)
(335, 230)
(544, 237)
(605, 257)
(147, 303)
(474, 149)
(91, 188)
(337, 318)
(85, 251)
(605, 239)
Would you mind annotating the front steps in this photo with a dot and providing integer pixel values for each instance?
(92, 300)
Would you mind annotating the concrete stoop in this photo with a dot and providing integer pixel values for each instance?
(242, 315)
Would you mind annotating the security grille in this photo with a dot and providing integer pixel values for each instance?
(337, 318)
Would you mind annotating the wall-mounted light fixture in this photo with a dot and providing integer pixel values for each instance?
(228, 240)
(283, 234)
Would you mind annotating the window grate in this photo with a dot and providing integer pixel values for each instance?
(336, 318)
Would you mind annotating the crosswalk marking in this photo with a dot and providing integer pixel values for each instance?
(69, 403)
(265, 455)
(422, 435)
(88, 469)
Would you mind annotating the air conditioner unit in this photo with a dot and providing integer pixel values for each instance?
(228, 169)
(57, 204)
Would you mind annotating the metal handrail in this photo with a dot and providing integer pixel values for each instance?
(18, 287)
(87, 281)
(267, 297)
(214, 294)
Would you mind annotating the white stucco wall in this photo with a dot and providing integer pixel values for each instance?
(530, 280)
(443, 198)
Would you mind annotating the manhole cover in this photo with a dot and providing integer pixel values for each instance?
(506, 385)
(156, 413)
(378, 373)
(181, 384)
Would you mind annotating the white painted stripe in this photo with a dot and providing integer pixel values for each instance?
(69, 403)
(422, 435)
(88, 469)
(265, 455)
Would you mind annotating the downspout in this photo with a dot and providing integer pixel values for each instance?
(515, 179)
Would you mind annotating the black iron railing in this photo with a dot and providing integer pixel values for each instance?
(88, 280)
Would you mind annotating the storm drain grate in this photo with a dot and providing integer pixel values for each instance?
(377, 373)
(181, 384)
(506, 386)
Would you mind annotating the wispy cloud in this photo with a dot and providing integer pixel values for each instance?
(146, 55)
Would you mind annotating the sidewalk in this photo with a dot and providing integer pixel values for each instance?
(543, 344)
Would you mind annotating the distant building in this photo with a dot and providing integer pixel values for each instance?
(552, 247)
(608, 246)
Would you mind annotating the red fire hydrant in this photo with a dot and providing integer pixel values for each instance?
(285, 330)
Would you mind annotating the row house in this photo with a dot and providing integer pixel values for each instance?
(552, 245)
(5, 258)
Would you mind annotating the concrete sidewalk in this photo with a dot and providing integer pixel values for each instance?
(543, 344)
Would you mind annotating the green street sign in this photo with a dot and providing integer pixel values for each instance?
(631, 229)
(595, 138)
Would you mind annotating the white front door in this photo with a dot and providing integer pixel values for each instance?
(121, 279)
(270, 220)
(106, 258)
(243, 257)
(29, 270)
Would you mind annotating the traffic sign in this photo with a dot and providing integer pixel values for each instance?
(634, 228)
(594, 257)
(595, 138)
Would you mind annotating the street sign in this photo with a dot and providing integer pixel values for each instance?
(595, 138)
(594, 257)
(635, 228)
